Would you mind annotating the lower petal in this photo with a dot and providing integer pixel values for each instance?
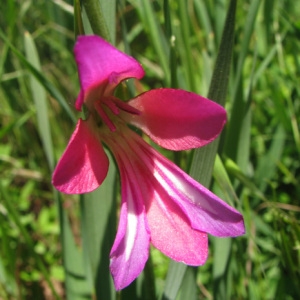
(171, 232)
(84, 164)
(131, 247)
(204, 210)
(170, 229)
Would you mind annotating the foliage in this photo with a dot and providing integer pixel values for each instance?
(47, 240)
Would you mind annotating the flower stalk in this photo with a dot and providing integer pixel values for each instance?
(96, 18)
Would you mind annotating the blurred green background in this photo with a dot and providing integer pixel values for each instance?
(177, 42)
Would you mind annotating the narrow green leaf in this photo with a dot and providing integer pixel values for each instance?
(268, 163)
(41, 78)
(234, 170)
(185, 35)
(40, 100)
(98, 212)
(222, 249)
(176, 273)
(222, 178)
(204, 158)
(109, 12)
(78, 23)
(219, 17)
(96, 17)
(189, 288)
(77, 286)
(238, 107)
(172, 45)
(151, 24)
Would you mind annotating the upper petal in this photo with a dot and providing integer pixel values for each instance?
(84, 164)
(101, 66)
(131, 247)
(177, 119)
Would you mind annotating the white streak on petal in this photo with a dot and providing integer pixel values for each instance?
(132, 223)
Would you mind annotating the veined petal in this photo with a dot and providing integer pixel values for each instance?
(101, 66)
(170, 229)
(84, 164)
(131, 247)
(204, 210)
(177, 119)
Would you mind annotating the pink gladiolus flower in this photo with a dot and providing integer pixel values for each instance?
(160, 203)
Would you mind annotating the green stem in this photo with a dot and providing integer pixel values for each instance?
(96, 18)
(149, 280)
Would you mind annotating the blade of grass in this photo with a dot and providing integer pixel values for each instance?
(98, 213)
(78, 24)
(41, 78)
(172, 45)
(222, 178)
(40, 101)
(204, 158)
(14, 215)
(267, 164)
(96, 18)
(238, 108)
(151, 24)
(77, 286)
(185, 35)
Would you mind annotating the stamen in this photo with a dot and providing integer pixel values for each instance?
(114, 105)
(126, 107)
(104, 116)
(111, 105)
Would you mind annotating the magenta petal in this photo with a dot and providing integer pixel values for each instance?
(171, 231)
(176, 119)
(101, 64)
(84, 164)
(205, 211)
(131, 247)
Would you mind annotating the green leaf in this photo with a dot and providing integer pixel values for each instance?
(40, 100)
(77, 286)
(41, 78)
(239, 104)
(151, 24)
(204, 158)
(96, 18)
(78, 23)
(98, 213)
(222, 179)
(267, 164)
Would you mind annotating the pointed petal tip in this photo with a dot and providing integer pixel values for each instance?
(122, 282)
(130, 250)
